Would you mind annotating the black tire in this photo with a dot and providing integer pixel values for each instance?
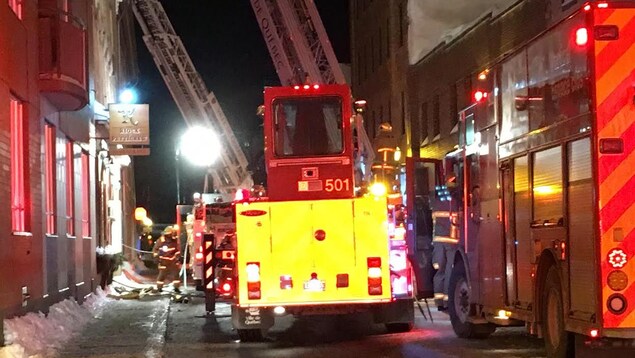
(250, 335)
(399, 327)
(558, 343)
(459, 308)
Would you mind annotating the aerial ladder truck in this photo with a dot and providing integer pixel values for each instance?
(317, 243)
(199, 107)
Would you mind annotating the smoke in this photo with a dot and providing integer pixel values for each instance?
(434, 21)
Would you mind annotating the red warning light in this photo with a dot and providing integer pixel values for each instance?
(479, 96)
(603, 5)
(587, 7)
(581, 36)
(316, 86)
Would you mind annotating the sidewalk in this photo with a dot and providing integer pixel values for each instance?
(128, 328)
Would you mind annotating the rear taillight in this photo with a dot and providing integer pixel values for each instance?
(374, 275)
(226, 287)
(253, 280)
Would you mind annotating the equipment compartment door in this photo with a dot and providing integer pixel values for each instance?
(335, 252)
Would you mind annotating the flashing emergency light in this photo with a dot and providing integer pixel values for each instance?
(378, 189)
(581, 36)
(316, 86)
(480, 95)
(603, 5)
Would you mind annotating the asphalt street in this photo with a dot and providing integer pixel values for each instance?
(156, 327)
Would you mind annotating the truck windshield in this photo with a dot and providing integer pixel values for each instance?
(307, 126)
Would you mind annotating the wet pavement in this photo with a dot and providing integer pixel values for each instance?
(156, 327)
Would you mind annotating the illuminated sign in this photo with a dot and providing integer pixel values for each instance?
(129, 124)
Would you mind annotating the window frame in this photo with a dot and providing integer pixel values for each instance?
(19, 212)
(85, 161)
(70, 187)
(50, 171)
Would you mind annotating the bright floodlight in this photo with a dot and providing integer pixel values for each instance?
(128, 96)
(200, 146)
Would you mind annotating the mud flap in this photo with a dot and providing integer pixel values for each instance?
(399, 311)
(252, 318)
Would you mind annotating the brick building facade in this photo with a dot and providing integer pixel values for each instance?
(379, 58)
(61, 63)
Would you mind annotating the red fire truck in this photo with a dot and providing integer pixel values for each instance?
(545, 162)
(316, 245)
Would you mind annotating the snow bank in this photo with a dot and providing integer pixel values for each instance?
(432, 22)
(39, 335)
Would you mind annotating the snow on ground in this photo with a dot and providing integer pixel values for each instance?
(40, 335)
(432, 22)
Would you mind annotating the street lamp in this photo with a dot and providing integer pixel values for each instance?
(128, 96)
(200, 146)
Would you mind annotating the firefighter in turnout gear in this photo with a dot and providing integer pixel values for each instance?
(168, 250)
(445, 238)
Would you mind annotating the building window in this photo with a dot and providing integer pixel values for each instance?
(454, 111)
(16, 6)
(70, 188)
(18, 191)
(85, 195)
(50, 182)
(381, 47)
(372, 54)
(423, 124)
(403, 113)
(402, 33)
(436, 120)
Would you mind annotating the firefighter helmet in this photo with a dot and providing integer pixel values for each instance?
(168, 231)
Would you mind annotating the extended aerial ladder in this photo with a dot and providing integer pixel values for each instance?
(197, 104)
(302, 53)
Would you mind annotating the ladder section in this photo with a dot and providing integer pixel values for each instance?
(294, 29)
(301, 52)
(197, 104)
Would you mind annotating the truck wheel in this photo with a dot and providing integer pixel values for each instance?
(399, 327)
(459, 308)
(250, 335)
(558, 342)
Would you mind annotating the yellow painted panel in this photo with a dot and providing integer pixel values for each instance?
(284, 242)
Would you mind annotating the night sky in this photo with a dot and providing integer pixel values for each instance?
(227, 49)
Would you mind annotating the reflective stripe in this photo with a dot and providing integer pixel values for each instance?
(435, 265)
(161, 267)
(446, 239)
(440, 214)
(160, 282)
(439, 296)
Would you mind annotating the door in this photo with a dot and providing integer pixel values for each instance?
(422, 175)
(507, 185)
